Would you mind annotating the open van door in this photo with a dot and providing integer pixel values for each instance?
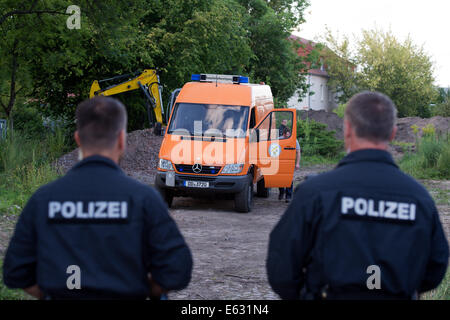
(272, 147)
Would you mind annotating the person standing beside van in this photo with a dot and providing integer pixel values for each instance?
(287, 192)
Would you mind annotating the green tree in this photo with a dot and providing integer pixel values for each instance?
(275, 59)
(443, 95)
(290, 12)
(52, 67)
(200, 36)
(401, 70)
(43, 59)
(340, 65)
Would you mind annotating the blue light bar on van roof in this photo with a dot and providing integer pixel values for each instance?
(222, 78)
(243, 79)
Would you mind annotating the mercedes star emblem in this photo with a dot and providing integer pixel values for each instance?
(197, 168)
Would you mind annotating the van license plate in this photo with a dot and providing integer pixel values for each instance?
(196, 184)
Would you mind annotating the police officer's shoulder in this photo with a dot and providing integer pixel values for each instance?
(316, 182)
(312, 185)
(124, 183)
(416, 188)
(48, 188)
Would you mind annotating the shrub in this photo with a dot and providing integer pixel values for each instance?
(443, 162)
(340, 110)
(315, 139)
(429, 130)
(442, 109)
(431, 160)
(28, 119)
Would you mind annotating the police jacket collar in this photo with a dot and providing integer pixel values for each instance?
(96, 159)
(371, 155)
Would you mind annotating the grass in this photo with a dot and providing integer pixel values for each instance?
(25, 165)
(440, 196)
(431, 160)
(406, 146)
(307, 160)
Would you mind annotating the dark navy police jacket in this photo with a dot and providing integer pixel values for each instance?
(364, 213)
(113, 228)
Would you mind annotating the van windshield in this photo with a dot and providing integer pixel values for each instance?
(209, 120)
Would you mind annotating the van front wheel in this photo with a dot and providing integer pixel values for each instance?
(243, 201)
(262, 191)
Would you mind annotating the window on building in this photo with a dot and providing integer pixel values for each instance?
(321, 92)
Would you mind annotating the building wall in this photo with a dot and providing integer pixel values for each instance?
(321, 99)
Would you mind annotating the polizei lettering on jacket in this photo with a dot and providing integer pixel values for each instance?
(87, 210)
(378, 209)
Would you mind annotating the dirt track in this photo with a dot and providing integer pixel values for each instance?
(229, 248)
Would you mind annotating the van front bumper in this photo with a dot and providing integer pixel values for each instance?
(217, 184)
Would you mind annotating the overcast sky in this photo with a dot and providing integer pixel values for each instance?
(427, 22)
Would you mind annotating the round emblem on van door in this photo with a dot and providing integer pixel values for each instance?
(197, 168)
(274, 150)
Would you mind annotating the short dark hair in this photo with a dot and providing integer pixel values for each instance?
(99, 121)
(372, 114)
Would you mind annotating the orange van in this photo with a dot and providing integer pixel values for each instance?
(224, 136)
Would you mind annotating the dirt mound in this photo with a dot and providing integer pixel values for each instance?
(140, 159)
(331, 119)
(404, 133)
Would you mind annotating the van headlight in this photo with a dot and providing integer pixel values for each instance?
(233, 168)
(165, 164)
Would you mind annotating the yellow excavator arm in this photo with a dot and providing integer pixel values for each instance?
(148, 81)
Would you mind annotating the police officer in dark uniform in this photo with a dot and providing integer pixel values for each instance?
(364, 230)
(96, 233)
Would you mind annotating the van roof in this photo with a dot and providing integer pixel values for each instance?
(223, 93)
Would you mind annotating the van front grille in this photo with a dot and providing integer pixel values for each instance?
(189, 168)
